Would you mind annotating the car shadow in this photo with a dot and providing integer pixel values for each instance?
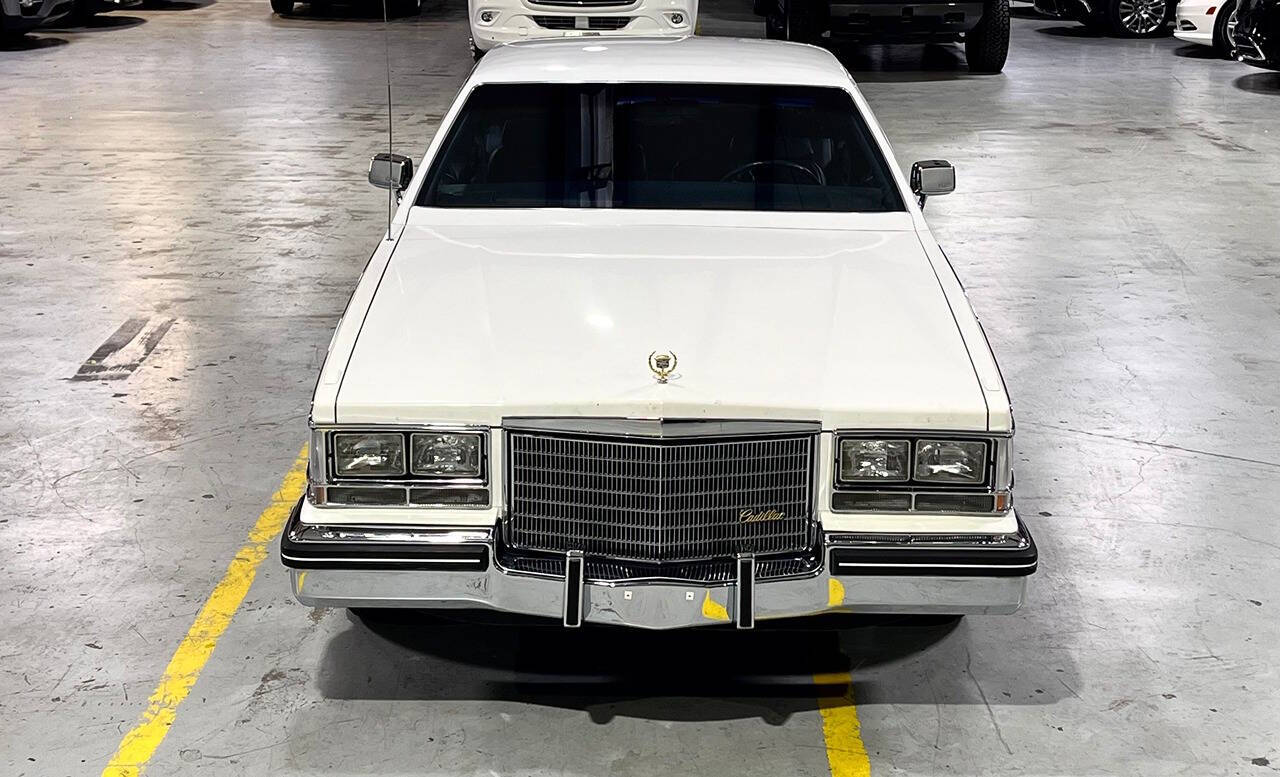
(706, 674)
(1071, 31)
(1196, 51)
(1259, 83)
(100, 22)
(176, 5)
(887, 63)
(30, 42)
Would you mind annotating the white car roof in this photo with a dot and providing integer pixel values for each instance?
(669, 60)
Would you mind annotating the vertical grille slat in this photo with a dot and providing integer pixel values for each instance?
(660, 500)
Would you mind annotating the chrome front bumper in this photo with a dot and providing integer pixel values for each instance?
(455, 568)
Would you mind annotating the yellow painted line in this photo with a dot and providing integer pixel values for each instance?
(714, 610)
(140, 744)
(846, 754)
(835, 593)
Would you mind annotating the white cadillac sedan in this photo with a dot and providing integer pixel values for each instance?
(660, 338)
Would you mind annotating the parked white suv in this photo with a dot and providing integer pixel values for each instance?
(494, 22)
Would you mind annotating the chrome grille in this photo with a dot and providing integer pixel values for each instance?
(660, 500)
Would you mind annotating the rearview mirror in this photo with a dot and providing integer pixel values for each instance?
(390, 171)
(931, 178)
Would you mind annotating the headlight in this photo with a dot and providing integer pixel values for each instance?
(951, 461)
(874, 460)
(368, 455)
(445, 454)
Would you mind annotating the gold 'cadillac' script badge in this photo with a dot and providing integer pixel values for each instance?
(758, 516)
(662, 365)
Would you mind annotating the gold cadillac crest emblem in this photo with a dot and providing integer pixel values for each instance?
(760, 516)
(662, 364)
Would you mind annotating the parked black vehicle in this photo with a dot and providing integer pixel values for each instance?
(982, 25)
(1125, 18)
(17, 17)
(1257, 34)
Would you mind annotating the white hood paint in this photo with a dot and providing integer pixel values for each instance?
(472, 322)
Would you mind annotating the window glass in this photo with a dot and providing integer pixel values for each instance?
(677, 146)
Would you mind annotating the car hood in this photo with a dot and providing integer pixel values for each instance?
(473, 323)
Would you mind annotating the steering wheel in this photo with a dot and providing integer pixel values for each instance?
(813, 175)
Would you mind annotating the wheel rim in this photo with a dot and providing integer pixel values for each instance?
(1141, 16)
(1232, 21)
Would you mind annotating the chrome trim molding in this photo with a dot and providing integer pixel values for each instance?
(657, 427)
(310, 532)
(1019, 540)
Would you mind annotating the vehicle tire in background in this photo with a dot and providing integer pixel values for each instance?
(81, 12)
(1222, 28)
(793, 20)
(1140, 18)
(282, 7)
(986, 46)
(407, 7)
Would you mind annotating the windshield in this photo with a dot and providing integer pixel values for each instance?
(676, 146)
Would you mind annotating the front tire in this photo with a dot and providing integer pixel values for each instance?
(282, 7)
(1223, 27)
(986, 46)
(1139, 18)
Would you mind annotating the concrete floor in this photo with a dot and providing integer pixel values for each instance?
(1117, 227)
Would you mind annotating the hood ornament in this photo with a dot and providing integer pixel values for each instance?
(662, 365)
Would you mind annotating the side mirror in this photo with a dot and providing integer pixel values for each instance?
(390, 171)
(931, 178)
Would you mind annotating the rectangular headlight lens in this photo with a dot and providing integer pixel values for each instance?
(874, 460)
(368, 455)
(951, 461)
(446, 454)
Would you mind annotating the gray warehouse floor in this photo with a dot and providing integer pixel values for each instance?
(197, 169)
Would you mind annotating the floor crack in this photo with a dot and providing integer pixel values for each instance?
(968, 669)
